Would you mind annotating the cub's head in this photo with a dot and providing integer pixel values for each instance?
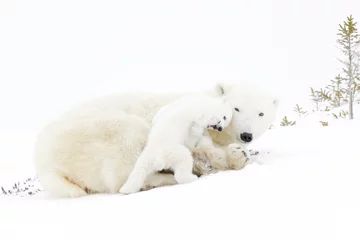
(253, 110)
(220, 114)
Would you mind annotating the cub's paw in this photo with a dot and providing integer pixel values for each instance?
(238, 156)
(127, 189)
(185, 178)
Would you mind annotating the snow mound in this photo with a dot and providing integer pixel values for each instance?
(303, 184)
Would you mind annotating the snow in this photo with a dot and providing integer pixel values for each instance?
(304, 183)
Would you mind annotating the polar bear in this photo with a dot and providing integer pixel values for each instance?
(175, 131)
(92, 147)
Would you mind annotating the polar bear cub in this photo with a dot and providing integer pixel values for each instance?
(176, 130)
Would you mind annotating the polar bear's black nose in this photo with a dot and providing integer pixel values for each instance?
(246, 137)
(220, 129)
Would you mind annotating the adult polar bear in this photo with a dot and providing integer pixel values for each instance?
(93, 147)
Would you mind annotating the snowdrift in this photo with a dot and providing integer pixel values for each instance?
(303, 184)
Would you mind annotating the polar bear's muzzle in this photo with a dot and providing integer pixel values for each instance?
(217, 127)
(246, 137)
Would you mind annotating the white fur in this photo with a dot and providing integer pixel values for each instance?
(92, 148)
(176, 130)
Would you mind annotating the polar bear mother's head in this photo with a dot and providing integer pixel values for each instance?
(254, 110)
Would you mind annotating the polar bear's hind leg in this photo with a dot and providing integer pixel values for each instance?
(182, 164)
(60, 186)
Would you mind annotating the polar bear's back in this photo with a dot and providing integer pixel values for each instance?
(142, 105)
(190, 105)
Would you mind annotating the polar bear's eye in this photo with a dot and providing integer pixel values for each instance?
(224, 117)
(261, 114)
(236, 109)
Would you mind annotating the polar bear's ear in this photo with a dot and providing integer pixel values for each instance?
(221, 88)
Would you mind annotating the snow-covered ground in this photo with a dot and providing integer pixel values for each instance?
(304, 184)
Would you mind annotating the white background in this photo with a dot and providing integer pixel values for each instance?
(56, 53)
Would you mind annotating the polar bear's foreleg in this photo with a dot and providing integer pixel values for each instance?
(206, 152)
(142, 170)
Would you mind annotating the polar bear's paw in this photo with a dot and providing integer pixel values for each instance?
(76, 192)
(202, 167)
(128, 189)
(147, 187)
(211, 154)
(238, 156)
